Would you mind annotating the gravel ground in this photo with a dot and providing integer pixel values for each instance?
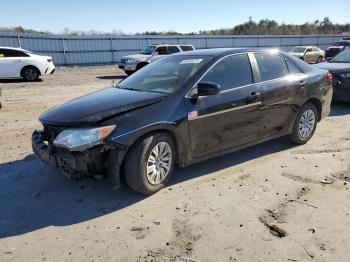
(271, 202)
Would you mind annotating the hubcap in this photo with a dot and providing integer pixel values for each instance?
(159, 163)
(307, 124)
(30, 74)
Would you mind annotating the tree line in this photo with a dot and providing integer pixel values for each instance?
(251, 27)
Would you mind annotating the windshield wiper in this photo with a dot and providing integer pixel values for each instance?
(130, 88)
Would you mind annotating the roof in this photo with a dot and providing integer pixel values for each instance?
(170, 45)
(13, 48)
(306, 46)
(223, 51)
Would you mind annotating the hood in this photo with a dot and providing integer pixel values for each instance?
(335, 47)
(95, 107)
(140, 57)
(332, 67)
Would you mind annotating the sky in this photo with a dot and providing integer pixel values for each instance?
(137, 16)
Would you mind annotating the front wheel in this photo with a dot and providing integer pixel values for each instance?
(129, 72)
(150, 163)
(305, 124)
(319, 60)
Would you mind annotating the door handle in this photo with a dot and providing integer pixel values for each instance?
(253, 96)
(302, 84)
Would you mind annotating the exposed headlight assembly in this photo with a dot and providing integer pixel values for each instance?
(80, 139)
(131, 61)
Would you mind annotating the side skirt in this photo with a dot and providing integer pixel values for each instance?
(234, 149)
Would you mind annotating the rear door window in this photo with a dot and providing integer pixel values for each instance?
(271, 66)
(10, 53)
(173, 49)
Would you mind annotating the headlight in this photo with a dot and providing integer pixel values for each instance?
(79, 139)
(345, 75)
(131, 61)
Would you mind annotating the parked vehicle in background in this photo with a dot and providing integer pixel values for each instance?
(182, 109)
(132, 63)
(20, 63)
(310, 54)
(339, 66)
(338, 47)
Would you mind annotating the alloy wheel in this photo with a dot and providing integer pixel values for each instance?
(159, 163)
(30, 74)
(307, 124)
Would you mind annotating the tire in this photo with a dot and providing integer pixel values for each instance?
(139, 160)
(30, 74)
(139, 66)
(129, 72)
(305, 124)
(319, 60)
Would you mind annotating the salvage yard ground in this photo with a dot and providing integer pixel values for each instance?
(271, 202)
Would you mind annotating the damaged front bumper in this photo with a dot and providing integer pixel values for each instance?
(103, 160)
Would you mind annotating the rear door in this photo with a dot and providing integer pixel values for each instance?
(308, 57)
(11, 62)
(281, 84)
(230, 118)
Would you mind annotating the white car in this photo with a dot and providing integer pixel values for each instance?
(310, 54)
(132, 63)
(20, 63)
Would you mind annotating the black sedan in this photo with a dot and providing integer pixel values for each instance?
(339, 66)
(182, 109)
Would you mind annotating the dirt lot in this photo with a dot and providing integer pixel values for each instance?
(266, 203)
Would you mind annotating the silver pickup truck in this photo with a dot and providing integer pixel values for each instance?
(132, 63)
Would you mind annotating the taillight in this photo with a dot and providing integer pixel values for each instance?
(49, 60)
(329, 78)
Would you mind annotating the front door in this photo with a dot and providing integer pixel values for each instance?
(230, 118)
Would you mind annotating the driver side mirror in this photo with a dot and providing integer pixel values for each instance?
(308, 50)
(207, 89)
(155, 53)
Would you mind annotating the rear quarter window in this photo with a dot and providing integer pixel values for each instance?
(292, 68)
(186, 48)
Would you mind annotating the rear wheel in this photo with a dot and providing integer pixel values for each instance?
(150, 163)
(30, 74)
(305, 124)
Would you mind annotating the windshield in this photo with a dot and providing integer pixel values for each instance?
(298, 49)
(148, 50)
(165, 75)
(343, 57)
(342, 43)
